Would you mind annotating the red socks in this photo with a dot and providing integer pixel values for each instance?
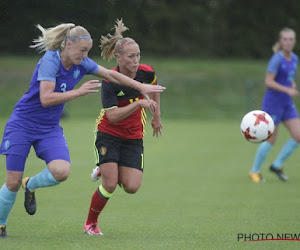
(97, 204)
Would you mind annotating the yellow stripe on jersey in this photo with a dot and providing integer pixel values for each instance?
(100, 117)
(154, 80)
(113, 107)
(143, 120)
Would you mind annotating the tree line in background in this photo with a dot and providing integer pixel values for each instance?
(209, 28)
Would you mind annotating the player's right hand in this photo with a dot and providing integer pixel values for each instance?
(293, 92)
(89, 87)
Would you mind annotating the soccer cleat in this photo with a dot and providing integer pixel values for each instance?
(92, 229)
(30, 202)
(96, 174)
(3, 233)
(279, 173)
(256, 177)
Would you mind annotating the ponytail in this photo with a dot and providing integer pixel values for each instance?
(276, 47)
(113, 44)
(55, 38)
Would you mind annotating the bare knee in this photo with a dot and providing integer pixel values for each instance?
(131, 188)
(296, 138)
(109, 185)
(13, 183)
(63, 174)
(60, 170)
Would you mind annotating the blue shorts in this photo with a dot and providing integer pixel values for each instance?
(48, 146)
(280, 113)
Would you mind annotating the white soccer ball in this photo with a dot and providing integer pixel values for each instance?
(257, 126)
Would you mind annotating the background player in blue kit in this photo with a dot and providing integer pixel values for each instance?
(35, 119)
(279, 104)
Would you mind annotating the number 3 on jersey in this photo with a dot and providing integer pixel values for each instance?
(63, 87)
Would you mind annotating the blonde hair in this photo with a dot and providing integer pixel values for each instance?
(277, 47)
(113, 44)
(55, 38)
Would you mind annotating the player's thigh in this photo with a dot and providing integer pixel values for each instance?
(109, 175)
(16, 146)
(132, 154)
(15, 167)
(52, 146)
(131, 165)
(293, 125)
(275, 111)
(277, 114)
(53, 149)
(107, 148)
(131, 178)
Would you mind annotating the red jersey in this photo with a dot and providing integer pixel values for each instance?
(114, 95)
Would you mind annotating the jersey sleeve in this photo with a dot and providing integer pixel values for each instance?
(49, 66)
(108, 95)
(90, 66)
(148, 73)
(295, 58)
(274, 63)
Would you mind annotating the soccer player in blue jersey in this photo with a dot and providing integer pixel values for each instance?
(35, 119)
(277, 102)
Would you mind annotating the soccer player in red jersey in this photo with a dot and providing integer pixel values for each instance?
(120, 126)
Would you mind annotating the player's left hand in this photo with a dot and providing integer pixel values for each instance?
(157, 126)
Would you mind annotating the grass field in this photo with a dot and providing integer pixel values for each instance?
(195, 195)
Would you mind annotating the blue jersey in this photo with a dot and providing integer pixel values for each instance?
(29, 110)
(285, 71)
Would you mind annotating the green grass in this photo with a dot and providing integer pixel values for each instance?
(195, 195)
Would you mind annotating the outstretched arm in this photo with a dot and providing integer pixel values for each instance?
(116, 77)
(50, 98)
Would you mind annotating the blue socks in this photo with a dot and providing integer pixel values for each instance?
(43, 179)
(288, 148)
(265, 148)
(261, 155)
(7, 200)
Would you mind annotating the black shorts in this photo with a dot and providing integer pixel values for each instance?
(125, 152)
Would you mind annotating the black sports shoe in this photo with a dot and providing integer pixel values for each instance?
(3, 233)
(279, 173)
(30, 202)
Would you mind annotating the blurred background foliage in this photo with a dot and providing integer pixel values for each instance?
(218, 28)
(210, 54)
